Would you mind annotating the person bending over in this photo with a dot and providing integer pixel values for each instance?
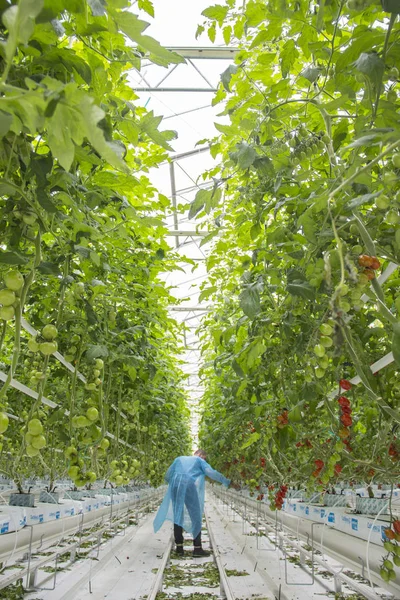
(183, 503)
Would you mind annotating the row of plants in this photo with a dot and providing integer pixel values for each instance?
(82, 250)
(304, 218)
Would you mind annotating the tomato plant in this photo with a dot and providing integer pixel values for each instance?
(82, 250)
(305, 212)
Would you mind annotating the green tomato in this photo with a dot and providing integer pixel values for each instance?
(96, 373)
(345, 306)
(392, 217)
(388, 564)
(29, 218)
(73, 472)
(90, 387)
(392, 575)
(92, 414)
(80, 482)
(14, 280)
(99, 363)
(319, 350)
(49, 332)
(105, 444)
(319, 373)
(4, 422)
(31, 451)
(35, 427)
(28, 438)
(119, 479)
(33, 346)
(70, 451)
(326, 341)
(7, 297)
(388, 546)
(326, 329)
(323, 362)
(384, 574)
(91, 475)
(80, 421)
(396, 560)
(38, 441)
(48, 348)
(7, 313)
(344, 289)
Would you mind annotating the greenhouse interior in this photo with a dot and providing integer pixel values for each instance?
(199, 299)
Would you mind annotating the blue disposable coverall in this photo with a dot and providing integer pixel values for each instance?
(183, 502)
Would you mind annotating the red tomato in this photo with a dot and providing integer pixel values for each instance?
(346, 420)
(345, 384)
(375, 263)
(396, 526)
(365, 261)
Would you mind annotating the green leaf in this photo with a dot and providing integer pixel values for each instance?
(147, 6)
(133, 27)
(252, 439)
(207, 292)
(302, 289)
(250, 300)
(207, 238)
(245, 155)
(96, 351)
(5, 123)
(216, 13)
(20, 22)
(288, 57)
(95, 258)
(311, 73)
(226, 76)
(13, 258)
(360, 200)
(49, 268)
(227, 34)
(396, 343)
(372, 65)
(199, 202)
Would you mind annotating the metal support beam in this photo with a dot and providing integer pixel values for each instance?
(211, 53)
(178, 89)
(178, 233)
(173, 198)
(190, 308)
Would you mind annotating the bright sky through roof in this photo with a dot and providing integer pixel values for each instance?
(175, 25)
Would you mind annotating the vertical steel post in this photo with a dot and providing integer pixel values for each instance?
(173, 198)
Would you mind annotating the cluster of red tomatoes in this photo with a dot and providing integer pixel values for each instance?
(319, 465)
(283, 419)
(280, 496)
(370, 264)
(345, 413)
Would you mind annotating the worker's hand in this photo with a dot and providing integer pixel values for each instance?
(234, 486)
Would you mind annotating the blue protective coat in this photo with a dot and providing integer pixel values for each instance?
(183, 502)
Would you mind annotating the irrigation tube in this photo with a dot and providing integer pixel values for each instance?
(342, 547)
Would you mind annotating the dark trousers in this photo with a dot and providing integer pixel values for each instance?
(192, 504)
(178, 535)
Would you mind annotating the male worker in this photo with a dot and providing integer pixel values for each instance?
(184, 501)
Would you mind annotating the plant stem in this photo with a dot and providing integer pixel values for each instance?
(392, 21)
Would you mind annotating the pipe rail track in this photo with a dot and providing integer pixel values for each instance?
(270, 523)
